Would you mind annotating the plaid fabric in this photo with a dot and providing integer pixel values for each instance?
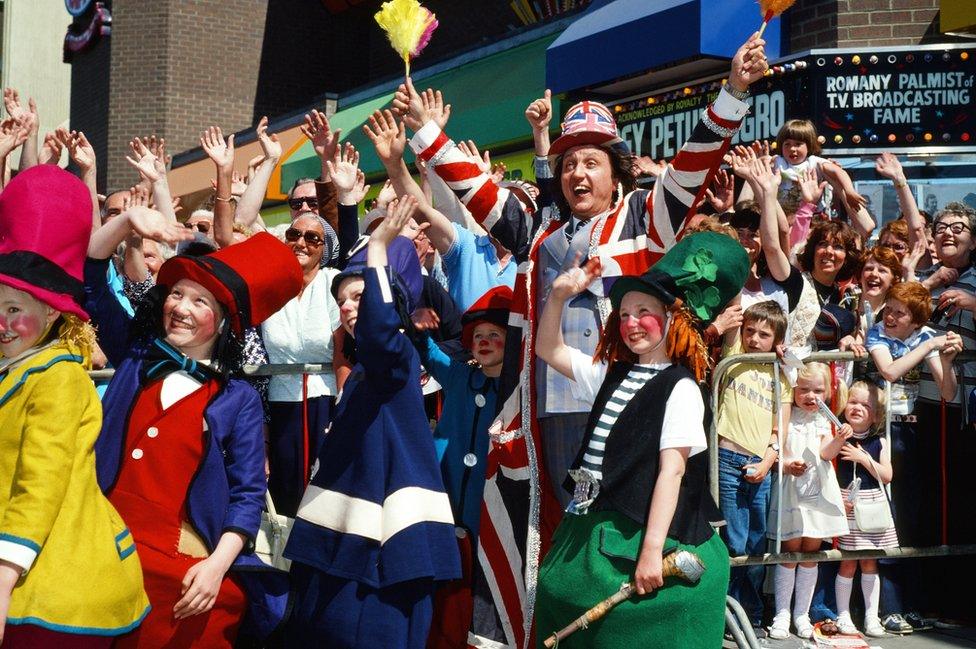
(519, 512)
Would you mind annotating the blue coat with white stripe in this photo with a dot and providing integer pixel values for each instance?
(376, 511)
(227, 492)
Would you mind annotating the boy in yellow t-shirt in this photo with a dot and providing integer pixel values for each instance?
(748, 446)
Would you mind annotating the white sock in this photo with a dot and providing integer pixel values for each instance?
(806, 583)
(842, 589)
(871, 587)
(784, 578)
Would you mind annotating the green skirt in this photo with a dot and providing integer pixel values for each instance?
(593, 555)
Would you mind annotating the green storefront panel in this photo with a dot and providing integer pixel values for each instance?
(487, 97)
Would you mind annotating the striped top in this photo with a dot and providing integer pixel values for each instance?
(634, 381)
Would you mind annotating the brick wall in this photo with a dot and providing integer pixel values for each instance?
(862, 23)
(177, 66)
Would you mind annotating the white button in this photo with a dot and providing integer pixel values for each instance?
(479, 400)
(152, 431)
(470, 459)
(136, 453)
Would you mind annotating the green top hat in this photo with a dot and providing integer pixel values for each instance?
(706, 270)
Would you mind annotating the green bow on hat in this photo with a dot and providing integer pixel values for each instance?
(706, 270)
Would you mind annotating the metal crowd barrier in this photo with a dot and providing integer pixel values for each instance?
(736, 622)
(271, 369)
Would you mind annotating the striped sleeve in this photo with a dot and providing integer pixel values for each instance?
(493, 207)
(683, 184)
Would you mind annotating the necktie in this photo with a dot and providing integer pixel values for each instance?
(163, 359)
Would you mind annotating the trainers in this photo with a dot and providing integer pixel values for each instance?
(780, 629)
(803, 627)
(845, 625)
(918, 622)
(873, 628)
(895, 623)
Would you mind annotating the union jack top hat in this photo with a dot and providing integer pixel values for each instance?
(588, 122)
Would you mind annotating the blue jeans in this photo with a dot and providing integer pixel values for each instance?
(744, 506)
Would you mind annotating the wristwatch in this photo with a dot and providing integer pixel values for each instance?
(741, 95)
(774, 446)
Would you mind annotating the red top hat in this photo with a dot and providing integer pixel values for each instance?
(494, 307)
(45, 224)
(252, 279)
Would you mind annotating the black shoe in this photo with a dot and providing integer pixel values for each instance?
(917, 622)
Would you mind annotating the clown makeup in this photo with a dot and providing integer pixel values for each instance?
(488, 347)
(642, 326)
(191, 318)
(23, 321)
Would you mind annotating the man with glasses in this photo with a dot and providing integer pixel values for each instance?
(201, 221)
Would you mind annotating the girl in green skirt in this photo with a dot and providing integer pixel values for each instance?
(639, 482)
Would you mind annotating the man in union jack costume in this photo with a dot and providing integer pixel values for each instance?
(594, 213)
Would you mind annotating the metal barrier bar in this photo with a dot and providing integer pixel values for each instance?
(771, 559)
(720, 369)
(271, 369)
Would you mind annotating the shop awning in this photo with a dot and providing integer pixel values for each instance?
(487, 96)
(621, 38)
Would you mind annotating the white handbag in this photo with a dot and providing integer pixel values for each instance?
(273, 536)
(874, 516)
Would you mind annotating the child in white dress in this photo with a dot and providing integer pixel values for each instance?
(812, 508)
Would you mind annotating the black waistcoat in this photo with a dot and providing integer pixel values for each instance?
(632, 455)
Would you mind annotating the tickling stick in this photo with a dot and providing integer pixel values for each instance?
(682, 564)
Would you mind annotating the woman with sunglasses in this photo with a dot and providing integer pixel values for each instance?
(303, 331)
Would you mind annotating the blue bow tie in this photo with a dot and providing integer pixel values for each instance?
(163, 359)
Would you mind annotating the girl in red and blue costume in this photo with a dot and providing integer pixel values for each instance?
(181, 452)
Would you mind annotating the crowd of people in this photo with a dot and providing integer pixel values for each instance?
(509, 413)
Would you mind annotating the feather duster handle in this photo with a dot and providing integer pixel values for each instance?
(409, 27)
(772, 8)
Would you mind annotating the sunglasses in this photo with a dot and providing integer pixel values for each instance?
(956, 228)
(201, 226)
(311, 201)
(294, 234)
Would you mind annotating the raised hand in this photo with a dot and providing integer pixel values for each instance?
(470, 149)
(387, 136)
(80, 150)
(11, 101)
(238, 184)
(12, 135)
(269, 143)
(810, 190)
(410, 106)
(398, 214)
(436, 109)
(50, 151)
(749, 63)
(645, 166)
(576, 280)
(220, 151)
(343, 167)
(144, 161)
(888, 165)
(497, 171)
(150, 224)
(359, 190)
(386, 196)
(539, 112)
(764, 177)
(137, 197)
(722, 193)
(740, 159)
(324, 140)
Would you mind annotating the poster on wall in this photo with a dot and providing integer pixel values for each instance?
(896, 99)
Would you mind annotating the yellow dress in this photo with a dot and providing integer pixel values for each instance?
(83, 573)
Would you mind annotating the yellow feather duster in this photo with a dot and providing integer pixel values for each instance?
(408, 25)
(772, 8)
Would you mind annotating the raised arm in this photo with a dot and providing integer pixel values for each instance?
(138, 220)
(249, 206)
(82, 153)
(765, 185)
(12, 135)
(222, 153)
(153, 170)
(888, 166)
(27, 115)
(389, 138)
(325, 143)
(550, 345)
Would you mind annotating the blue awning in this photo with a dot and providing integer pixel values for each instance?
(621, 38)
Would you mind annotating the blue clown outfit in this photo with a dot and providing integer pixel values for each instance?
(374, 529)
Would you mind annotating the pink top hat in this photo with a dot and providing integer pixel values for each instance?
(45, 224)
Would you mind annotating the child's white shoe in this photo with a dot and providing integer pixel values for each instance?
(803, 627)
(845, 625)
(780, 629)
(873, 628)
